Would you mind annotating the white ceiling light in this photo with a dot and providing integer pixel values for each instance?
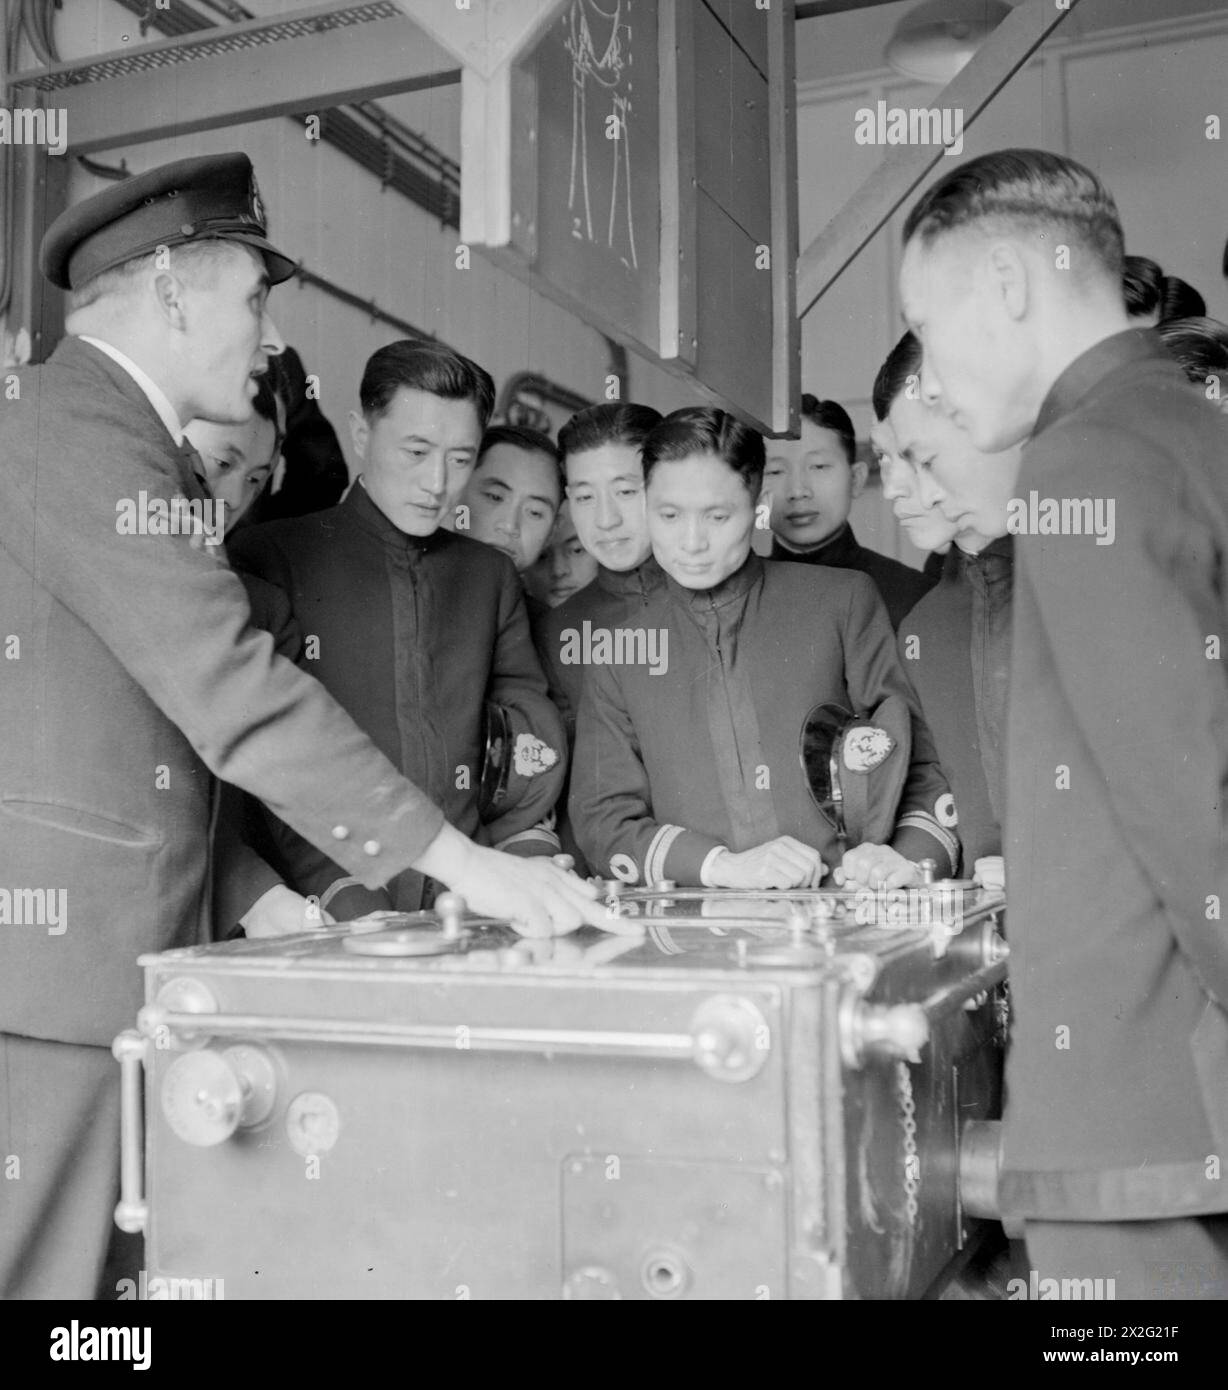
(934, 41)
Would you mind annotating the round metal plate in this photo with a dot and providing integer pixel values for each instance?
(202, 1098)
(408, 941)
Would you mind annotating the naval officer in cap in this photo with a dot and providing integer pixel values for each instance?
(133, 677)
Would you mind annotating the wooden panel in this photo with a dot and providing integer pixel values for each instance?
(679, 327)
(782, 147)
(735, 315)
(732, 128)
(749, 26)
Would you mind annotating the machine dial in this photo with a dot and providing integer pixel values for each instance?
(208, 1095)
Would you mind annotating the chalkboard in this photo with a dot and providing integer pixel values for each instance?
(589, 209)
(653, 188)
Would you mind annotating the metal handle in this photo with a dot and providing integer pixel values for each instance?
(902, 1030)
(431, 1035)
(729, 1037)
(133, 1210)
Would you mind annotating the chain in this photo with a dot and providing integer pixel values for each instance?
(912, 1164)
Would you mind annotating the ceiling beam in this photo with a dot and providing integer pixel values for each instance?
(904, 167)
(294, 62)
(819, 9)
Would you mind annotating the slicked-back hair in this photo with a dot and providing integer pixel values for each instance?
(1199, 344)
(1024, 190)
(423, 366)
(703, 429)
(831, 415)
(1179, 300)
(599, 425)
(522, 437)
(903, 361)
(1141, 279)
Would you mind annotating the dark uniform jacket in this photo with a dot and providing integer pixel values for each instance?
(612, 599)
(1117, 842)
(243, 850)
(132, 673)
(705, 754)
(899, 585)
(412, 635)
(956, 649)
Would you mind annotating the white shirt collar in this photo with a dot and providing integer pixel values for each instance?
(156, 395)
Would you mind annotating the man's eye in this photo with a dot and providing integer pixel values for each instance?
(582, 500)
(719, 517)
(539, 514)
(575, 550)
(667, 515)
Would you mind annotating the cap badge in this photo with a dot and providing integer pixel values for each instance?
(532, 755)
(257, 203)
(866, 747)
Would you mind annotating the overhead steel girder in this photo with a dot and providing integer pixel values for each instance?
(280, 65)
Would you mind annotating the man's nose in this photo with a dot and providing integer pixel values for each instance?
(895, 479)
(509, 521)
(434, 477)
(272, 344)
(694, 538)
(931, 387)
(607, 512)
(928, 491)
(798, 482)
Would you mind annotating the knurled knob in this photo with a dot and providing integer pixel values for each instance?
(450, 909)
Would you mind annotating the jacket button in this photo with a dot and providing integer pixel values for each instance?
(341, 832)
(371, 847)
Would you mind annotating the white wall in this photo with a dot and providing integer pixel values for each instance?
(1131, 104)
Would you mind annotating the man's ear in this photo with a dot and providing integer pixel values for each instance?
(860, 470)
(1009, 272)
(360, 433)
(168, 293)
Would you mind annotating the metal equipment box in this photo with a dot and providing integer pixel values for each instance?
(760, 1096)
